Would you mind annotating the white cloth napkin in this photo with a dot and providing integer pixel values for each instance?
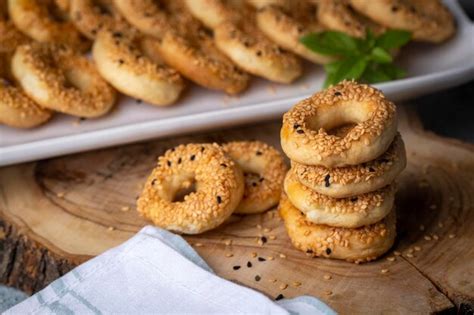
(155, 272)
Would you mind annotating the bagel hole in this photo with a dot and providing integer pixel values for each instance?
(187, 187)
(75, 78)
(251, 178)
(342, 130)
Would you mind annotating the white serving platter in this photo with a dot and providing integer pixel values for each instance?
(430, 68)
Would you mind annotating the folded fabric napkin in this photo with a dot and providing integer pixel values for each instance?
(155, 272)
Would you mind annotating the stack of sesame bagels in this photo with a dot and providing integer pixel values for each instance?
(196, 187)
(345, 152)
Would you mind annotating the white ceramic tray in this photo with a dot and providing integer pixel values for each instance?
(430, 68)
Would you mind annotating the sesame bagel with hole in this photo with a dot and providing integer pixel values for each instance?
(122, 61)
(16, 109)
(285, 25)
(92, 16)
(428, 20)
(342, 182)
(59, 78)
(351, 212)
(338, 15)
(45, 22)
(307, 132)
(356, 245)
(237, 36)
(264, 170)
(184, 44)
(218, 182)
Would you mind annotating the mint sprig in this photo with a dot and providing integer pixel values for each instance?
(366, 59)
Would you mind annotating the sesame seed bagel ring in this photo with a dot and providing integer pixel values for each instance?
(338, 15)
(124, 64)
(184, 44)
(44, 22)
(264, 170)
(91, 16)
(341, 182)
(16, 109)
(306, 133)
(285, 26)
(58, 78)
(219, 187)
(237, 36)
(354, 245)
(352, 212)
(428, 20)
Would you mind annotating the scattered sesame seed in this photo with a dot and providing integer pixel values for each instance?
(110, 228)
(328, 292)
(228, 242)
(272, 237)
(452, 235)
(391, 259)
(266, 230)
(270, 258)
(409, 255)
(125, 208)
(417, 248)
(397, 253)
(384, 270)
(296, 284)
(282, 256)
(60, 194)
(435, 237)
(427, 237)
(283, 286)
(229, 255)
(327, 277)
(198, 244)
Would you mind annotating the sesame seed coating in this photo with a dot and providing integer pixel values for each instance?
(58, 78)
(351, 212)
(218, 189)
(355, 179)
(264, 170)
(354, 245)
(10, 37)
(306, 133)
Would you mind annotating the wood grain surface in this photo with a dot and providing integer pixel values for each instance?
(58, 213)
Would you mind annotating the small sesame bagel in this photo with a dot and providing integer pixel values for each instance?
(342, 182)
(219, 187)
(285, 26)
(264, 170)
(124, 64)
(238, 37)
(428, 20)
(354, 245)
(338, 15)
(16, 109)
(352, 212)
(185, 44)
(307, 135)
(58, 78)
(92, 16)
(44, 22)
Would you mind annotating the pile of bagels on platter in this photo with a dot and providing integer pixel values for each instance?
(147, 49)
(345, 154)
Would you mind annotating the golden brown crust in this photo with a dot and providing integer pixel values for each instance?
(428, 20)
(92, 16)
(46, 23)
(306, 133)
(219, 188)
(185, 44)
(264, 170)
(58, 78)
(121, 60)
(354, 245)
(341, 182)
(352, 212)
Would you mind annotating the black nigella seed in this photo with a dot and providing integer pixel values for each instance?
(326, 180)
(138, 101)
(172, 149)
(82, 118)
(236, 267)
(257, 278)
(192, 157)
(117, 34)
(261, 179)
(264, 239)
(300, 131)
(223, 165)
(371, 169)
(153, 181)
(296, 126)
(279, 297)
(354, 199)
(328, 251)
(254, 184)
(259, 53)
(249, 264)
(259, 153)
(261, 259)
(219, 199)
(180, 160)
(202, 149)
(309, 251)
(168, 162)
(120, 61)
(394, 8)
(338, 93)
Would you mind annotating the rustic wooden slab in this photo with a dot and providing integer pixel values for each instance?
(60, 212)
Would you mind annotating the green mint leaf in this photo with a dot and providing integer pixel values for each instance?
(331, 70)
(331, 43)
(393, 71)
(393, 39)
(350, 68)
(379, 55)
(374, 75)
